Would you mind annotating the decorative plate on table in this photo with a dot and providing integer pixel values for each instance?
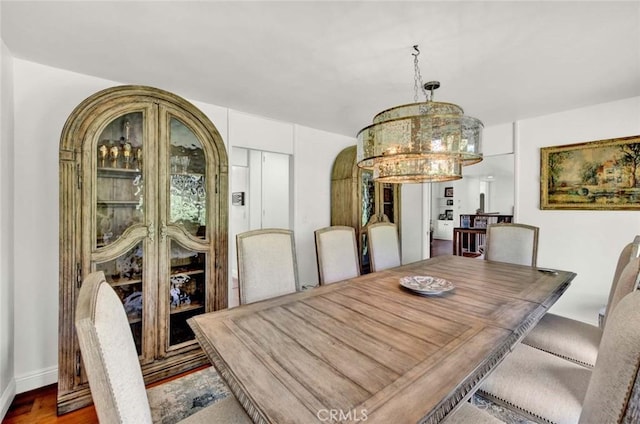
(426, 285)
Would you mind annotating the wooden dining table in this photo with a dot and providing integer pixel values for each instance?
(368, 349)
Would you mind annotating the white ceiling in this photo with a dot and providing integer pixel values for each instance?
(333, 65)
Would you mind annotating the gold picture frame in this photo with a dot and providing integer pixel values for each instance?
(596, 175)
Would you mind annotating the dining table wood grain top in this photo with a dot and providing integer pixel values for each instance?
(368, 349)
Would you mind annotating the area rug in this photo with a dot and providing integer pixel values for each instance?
(503, 414)
(177, 399)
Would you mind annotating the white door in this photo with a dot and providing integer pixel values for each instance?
(275, 190)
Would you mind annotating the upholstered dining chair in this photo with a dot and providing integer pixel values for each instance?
(112, 365)
(628, 253)
(267, 265)
(513, 243)
(578, 341)
(337, 253)
(384, 247)
(546, 387)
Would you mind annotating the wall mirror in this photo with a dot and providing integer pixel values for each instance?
(486, 187)
(489, 185)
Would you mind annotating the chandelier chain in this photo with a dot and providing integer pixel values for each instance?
(417, 77)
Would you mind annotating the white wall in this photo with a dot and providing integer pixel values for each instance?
(497, 140)
(414, 224)
(585, 242)
(44, 98)
(314, 153)
(255, 132)
(7, 275)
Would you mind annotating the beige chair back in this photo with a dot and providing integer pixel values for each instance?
(267, 264)
(512, 243)
(626, 283)
(628, 253)
(384, 247)
(337, 253)
(109, 354)
(611, 396)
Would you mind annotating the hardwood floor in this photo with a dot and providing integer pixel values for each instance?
(39, 407)
(441, 247)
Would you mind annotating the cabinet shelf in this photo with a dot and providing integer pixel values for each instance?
(118, 203)
(189, 174)
(186, 308)
(124, 282)
(174, 271)
(118, 172)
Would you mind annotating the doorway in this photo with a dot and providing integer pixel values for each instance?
(260, 198)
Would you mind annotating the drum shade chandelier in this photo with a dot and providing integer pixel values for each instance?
(420, 142)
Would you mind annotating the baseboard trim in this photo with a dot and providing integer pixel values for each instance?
(6, 398)
(36, 379)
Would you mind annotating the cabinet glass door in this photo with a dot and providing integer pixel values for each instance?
(119, 182)
(119, 213)
(368, 198)
(125, 274)
(186, 230)
(188, 277)
(188, 194)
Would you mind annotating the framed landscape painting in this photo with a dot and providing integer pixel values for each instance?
(597, 175)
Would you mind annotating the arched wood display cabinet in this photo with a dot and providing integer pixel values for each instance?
(143, 197)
